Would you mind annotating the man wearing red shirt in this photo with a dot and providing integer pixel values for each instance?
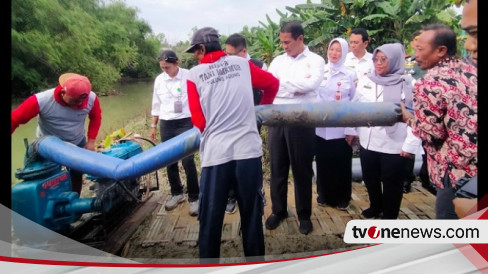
(222, 107)
(62, 113)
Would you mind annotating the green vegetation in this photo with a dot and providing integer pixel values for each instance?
(104, 39)
(385, 20)
(103, 42)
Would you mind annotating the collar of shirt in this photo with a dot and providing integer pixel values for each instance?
(365, 57)
(446, 62)
(212, 56)
(303, 54)
(178, 76)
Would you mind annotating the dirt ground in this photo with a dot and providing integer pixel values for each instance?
(283, 243)
(277, 248)
(277, 245)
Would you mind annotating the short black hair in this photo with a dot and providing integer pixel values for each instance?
(212, 46)
(293, 27)
(444, 36)
(169, 56)
(237, 40)
(362, 32)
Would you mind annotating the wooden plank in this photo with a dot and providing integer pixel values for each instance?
(236, 228)
(190, 236)
(409, 214)
(332, 226)
(162, 210)
(426, 210)
(179, 234)
(339, 224)
(226, 232)
(120, 235)
(292, 224)
(168, 232)
(317, 228)
(154, 234)
(417, 204)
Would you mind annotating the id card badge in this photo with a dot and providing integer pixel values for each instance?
(178, 106)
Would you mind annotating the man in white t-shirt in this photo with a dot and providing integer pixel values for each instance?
(358, 58)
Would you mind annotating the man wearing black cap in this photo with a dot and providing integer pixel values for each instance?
(221, 103)
(71, 102)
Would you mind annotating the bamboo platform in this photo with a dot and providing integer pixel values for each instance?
(178, 227)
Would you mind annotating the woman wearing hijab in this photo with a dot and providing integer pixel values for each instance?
(333, 153)
(384, 150)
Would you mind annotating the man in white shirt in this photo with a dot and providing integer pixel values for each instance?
(236, 44)
(358, 58)
(300, 72)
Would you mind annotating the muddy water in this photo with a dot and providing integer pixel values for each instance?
(134, 101)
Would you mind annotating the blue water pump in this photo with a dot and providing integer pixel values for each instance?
(45, 195)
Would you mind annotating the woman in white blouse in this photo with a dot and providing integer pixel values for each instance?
(384, 150)
(333, 153)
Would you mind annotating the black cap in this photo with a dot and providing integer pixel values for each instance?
(168, 56)
(203, 36)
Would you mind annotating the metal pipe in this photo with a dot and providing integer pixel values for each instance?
(357, 174)
(333, 114)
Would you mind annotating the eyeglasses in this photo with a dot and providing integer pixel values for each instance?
(381, 60)
(170, 59)
(234, 53)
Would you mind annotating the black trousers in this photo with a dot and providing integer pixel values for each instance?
(246, 176)
(334, 171)
(383, 175)
(444, 208)
(75, 175)
(409, 170)
(169, 129)
(291, 146)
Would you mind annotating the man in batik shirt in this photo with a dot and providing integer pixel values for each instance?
(445, 114)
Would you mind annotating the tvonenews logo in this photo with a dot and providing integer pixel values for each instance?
(416, 231)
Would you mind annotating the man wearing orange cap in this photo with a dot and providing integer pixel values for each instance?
(62, 112)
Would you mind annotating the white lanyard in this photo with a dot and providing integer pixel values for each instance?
(378, 95)
(170, 91)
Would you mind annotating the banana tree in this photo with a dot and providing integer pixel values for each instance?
(386, 20)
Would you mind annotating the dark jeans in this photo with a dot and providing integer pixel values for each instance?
(169, 129)
(77, 176)
(383, 175)
(334, 171)
(444, 208)
(247, 178)
(291, 146)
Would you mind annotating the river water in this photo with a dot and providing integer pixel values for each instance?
(133, 102)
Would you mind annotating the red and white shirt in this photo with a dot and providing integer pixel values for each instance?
(58, 119)
(221, 104)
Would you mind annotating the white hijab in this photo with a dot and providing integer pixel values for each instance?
(338, 66)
